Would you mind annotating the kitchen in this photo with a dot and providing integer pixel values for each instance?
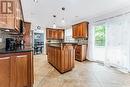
(53, 43)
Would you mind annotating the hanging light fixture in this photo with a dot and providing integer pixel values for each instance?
(54, 24)
(35, 1)
(63, 19)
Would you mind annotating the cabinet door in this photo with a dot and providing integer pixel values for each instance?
(78, 52)
(80, 28)
(21, 71)
(55, 58)
(74, 31)
(47, 33)
(67, 58)
(50, 34)
(56, 34)
(60, 34)
(27, 37)
(85, 29)
(10, 21)
(3, 21)
(59, 58)
(18, 14)
(52, 56)
(5, 72)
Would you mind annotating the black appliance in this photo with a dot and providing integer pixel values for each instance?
(10, 44)
(21, 27)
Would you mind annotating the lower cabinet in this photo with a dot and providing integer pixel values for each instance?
(16, 70)
(62, 58)
(80, 52)
(5, 72)
(21, 71)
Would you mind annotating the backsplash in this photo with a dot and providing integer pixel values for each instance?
(3, 36)
(82, 41)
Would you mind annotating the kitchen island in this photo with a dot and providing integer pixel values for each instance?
(61, 56)
(16, 68)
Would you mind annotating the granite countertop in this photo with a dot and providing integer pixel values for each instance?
(69, 43)
(18, 50)
(74, 43)
(55, 45)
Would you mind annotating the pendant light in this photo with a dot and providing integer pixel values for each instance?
(36, 1)
(54, 24)
(63, 19)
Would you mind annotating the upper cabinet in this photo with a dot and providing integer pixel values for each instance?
(80, 30)
(18, 14)
(54, 34)
(11, 14)
(60, 34)
(27, 36)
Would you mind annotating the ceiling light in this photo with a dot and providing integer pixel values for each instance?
(54, 25)
(63, 21)
(63, 8)
(35, 1)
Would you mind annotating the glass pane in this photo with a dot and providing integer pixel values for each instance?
(100, 35)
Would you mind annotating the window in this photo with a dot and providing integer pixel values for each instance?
(68, 35)
(100, 35)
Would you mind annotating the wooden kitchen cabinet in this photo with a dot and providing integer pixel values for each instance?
(60, 34)
(21, 71)
(26, 34)
(62, 58)
(5, 72)
(80, 30)
(12, 21)
(18, 14)
(55, 34)
(16, 70)
(80, 52)
(67, 58)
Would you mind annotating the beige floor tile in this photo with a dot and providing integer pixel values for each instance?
(85, 74)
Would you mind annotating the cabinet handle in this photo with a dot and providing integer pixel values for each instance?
(22, 56)
(4, 58)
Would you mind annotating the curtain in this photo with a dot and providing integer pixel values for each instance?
(95, 53)
(117, 47)
(117, 50)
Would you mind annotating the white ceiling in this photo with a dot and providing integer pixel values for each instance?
(41, 13)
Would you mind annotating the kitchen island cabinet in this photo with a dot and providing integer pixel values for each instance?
(16, 69)
(61, 57)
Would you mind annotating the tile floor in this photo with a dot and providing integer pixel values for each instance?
(85, 74)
